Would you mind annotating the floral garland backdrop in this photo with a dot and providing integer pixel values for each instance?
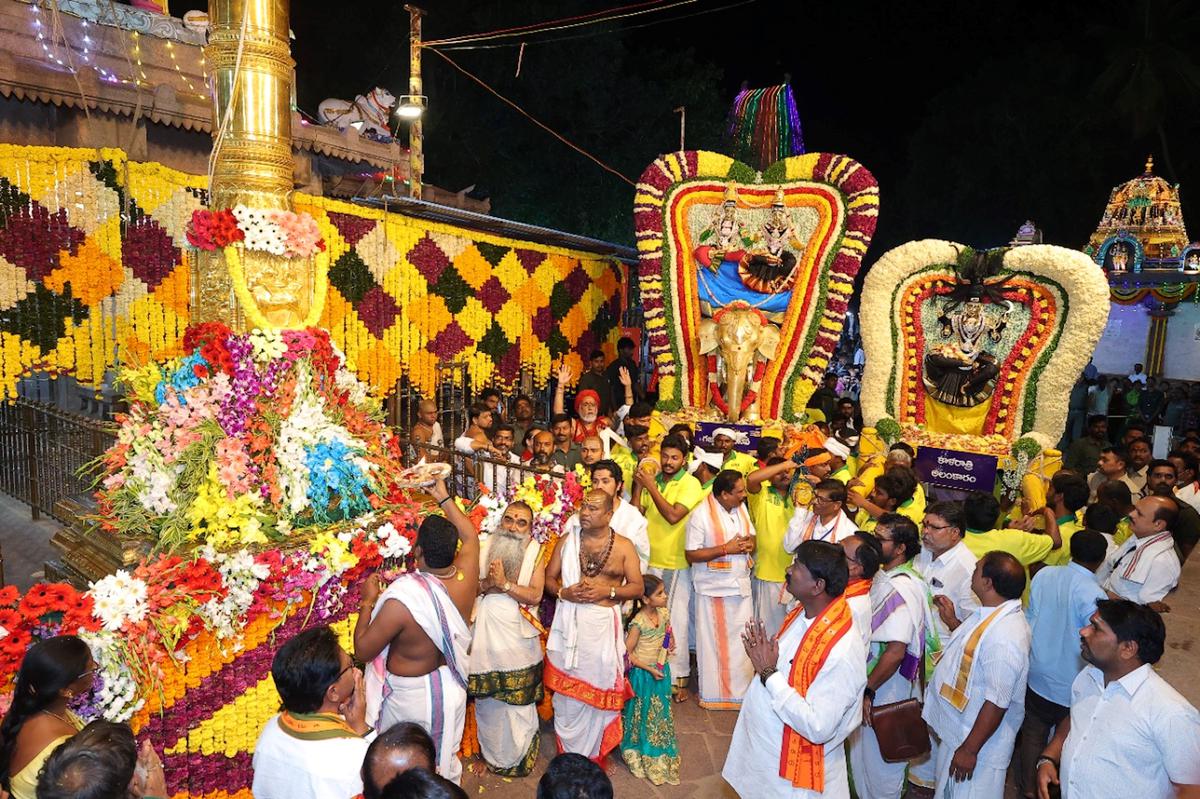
(95, 268)
(1063, 300)
(837, 190)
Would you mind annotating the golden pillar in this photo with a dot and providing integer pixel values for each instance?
(250, 56)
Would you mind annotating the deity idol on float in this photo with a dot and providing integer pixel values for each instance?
(758, 267)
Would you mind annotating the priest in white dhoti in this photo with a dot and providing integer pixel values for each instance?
(897, 646)
(413, 636)
(807, 697)
(976, 700)
(720, 538)
(592, 571)
(505, 660)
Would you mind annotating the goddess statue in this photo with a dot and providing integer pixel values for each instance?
(961, 372)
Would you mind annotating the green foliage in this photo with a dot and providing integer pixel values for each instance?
(888, 430)
(1028, 445)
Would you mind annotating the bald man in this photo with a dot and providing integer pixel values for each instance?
(542, 448)
(1146, 567)
(427, 430)
(592, 571)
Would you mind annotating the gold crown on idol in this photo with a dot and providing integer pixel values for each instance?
(731, 194)
(779, 197)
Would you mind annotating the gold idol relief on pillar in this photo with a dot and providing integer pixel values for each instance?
(252, 166)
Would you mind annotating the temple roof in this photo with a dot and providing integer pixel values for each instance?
(1146, 209)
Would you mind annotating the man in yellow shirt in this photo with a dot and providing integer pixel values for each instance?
(890, 490)
(771, 509)
(1067, 496)
(667, 498)
(983, 513)
(705, 467)
(724, 439)
(627, 457)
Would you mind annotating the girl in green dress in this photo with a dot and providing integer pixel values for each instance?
(649, 745)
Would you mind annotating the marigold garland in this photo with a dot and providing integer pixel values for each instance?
(408, 295)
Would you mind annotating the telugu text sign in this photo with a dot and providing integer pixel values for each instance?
(949, 468)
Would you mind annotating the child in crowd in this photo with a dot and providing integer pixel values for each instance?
(649, 745)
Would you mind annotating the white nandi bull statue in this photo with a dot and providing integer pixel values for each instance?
(371, 109)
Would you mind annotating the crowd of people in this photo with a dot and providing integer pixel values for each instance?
(880, 635)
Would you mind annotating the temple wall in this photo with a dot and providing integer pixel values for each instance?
(1124, 341)
(1181, 359)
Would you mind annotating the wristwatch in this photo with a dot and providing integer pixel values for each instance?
(507, 586)
(766, 673)
(612, 593)
(1046, 759)
(869, 693)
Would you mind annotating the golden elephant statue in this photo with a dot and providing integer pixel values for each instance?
(744, 339)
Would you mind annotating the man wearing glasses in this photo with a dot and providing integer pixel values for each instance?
(826, 520)
(313, 749)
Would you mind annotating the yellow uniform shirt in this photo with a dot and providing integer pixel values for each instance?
(914, 508)
(1067, 527)
(740, 462)
(624, 458)
(864, 522)
(1123, 531)
(842, 475)
(770, 511)
(666, 539)
(1028, 548)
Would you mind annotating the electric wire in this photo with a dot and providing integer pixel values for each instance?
(533, 119)
(553, 25)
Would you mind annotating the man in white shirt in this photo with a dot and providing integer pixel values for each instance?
(720, 538)
(1061, 600)
(1137, 375)
(315, 747)
(896, 653)
(1129, 732)
(826, 520)
(1187, 470)
(947, 565)
(1113, 465)
(1145, 568)
(976, 700)
(788, 742)
(499, 479)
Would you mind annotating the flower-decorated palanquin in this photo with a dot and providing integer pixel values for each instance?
(746, 276)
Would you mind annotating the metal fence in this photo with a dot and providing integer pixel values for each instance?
(43, 448)
(469, 472)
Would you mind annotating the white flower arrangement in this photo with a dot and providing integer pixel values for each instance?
(1080, 325)
(392, 543)
(119, 598)
(118, 697)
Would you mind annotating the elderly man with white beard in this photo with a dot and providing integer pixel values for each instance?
(505, 661)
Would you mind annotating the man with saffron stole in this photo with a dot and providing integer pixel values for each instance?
(505, 662)
(314, 748)
(975, 702)
(720, 538)
(897, 650)
(414, 634)
(592, 571)
(788, 742)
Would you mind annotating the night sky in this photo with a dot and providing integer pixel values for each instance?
(972, 116)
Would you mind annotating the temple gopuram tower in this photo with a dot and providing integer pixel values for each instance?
(1153, 270)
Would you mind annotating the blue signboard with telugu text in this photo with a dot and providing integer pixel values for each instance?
(745, 441)
(950, 468)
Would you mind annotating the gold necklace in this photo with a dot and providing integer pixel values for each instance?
(68, 722)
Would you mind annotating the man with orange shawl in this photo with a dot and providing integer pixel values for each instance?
(808, 695)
